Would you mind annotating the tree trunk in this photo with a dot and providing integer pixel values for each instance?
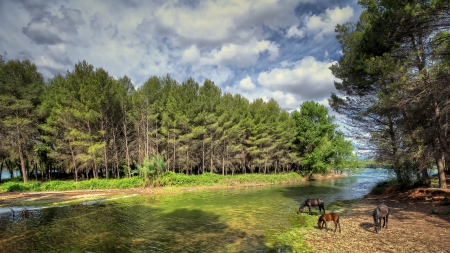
(425, 176)
(203, 155)
(22, 164)
(168, 157)
(127, 150)
(35, 171)
(211, 153)
(74, 163)
(174, 154)
(105, 151)
(439, 156)
(156, 139)
(10, 168)
(147, 144)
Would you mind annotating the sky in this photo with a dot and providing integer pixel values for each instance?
(258, 48)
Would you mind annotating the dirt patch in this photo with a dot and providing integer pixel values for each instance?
(418, 223)
(59, 197)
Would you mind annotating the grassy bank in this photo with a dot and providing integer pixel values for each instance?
(168, 179)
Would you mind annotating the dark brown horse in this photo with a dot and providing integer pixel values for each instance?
(381, 212)
(329, 217)
(312, 202)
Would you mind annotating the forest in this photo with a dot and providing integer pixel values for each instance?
(392, 89)
(87, 124)
(394, 84)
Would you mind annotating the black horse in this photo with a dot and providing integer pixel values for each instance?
(312, 202)
(381, 212)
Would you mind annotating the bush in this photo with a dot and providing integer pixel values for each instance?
(210, 179)
(58, 185)
(383, 185)
(153, 169)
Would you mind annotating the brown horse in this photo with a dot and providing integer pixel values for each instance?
(312, 202)
(381, 212)
(329, 217)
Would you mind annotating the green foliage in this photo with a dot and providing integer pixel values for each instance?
(21, 86)
(383, 185)
(58, 185)
(212, 179)
(94, 122)
(153, 169)
(320, 146)
(393, 82)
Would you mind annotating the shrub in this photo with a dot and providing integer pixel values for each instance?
(383, 185)
(152, 169)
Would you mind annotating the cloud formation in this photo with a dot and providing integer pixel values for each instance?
(308, 78)
(261, 49)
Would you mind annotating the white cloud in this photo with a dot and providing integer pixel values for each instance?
(286, 100)
(325, 24)
(225, 41)
(322, 25)
(308, 78)
(245, 55)
(295, 32)
(246, 84)
(214, 23)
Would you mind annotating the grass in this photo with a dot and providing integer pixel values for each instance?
(211, 179)
(168, 179)
(59, 185)
(383, 185)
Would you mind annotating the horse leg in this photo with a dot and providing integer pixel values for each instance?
(310, 213)
(377, 221)
(384, 222)
(387, 217)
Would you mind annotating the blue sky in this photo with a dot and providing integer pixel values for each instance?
(260, 49)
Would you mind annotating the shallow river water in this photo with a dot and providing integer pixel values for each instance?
(225, 220)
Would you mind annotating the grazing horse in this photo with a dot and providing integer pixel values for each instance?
(312, 202)
(381, 212)
(329, 217)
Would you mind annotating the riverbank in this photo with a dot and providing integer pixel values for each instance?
(419, 222)
(50, 198)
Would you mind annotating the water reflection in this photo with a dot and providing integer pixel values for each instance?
(226, 220)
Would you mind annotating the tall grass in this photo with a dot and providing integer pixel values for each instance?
(167, 179)
(211, 179)
(58, 185)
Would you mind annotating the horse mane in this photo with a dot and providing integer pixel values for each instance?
(303, 203)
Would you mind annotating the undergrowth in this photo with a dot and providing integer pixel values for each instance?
(383, 185)
(168, 179)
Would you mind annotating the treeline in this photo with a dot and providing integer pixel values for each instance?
(88, 124)
(395, 91)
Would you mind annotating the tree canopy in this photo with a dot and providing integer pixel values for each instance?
(394, 83)
(89, 125)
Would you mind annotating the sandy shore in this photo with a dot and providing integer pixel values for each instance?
(418, 223)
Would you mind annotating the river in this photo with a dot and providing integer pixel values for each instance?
(242, 219)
